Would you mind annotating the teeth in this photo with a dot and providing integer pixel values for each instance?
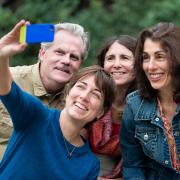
(155, 75)
(117, 73)
(63, 70)
(81, 106)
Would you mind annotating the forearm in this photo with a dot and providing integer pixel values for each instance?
(5, 76)
(9, 46)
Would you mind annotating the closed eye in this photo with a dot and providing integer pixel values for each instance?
(96, 94)
(80, 86)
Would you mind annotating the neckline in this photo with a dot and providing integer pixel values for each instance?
(79, 150)
(69, 153)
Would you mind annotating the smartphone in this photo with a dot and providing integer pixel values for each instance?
(37, 33)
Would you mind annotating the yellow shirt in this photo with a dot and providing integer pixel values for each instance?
(28, 78)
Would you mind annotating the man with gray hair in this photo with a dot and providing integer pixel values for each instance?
(58, 61)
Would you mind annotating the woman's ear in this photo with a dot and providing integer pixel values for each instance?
(100, 114)
(41, 54)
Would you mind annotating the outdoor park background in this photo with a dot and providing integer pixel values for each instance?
(101, 18)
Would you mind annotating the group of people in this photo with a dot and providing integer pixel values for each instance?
(118, 119)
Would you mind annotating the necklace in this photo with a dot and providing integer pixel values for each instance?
(67, 149)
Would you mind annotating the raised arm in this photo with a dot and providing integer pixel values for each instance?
(9, 46)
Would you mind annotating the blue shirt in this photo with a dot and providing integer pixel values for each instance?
(144, 144)
(36, 149)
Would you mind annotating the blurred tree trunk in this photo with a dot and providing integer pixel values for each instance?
(108, 3)
(82, 4)
(11, 4)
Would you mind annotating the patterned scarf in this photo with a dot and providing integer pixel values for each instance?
(170, 137)
(103, 141)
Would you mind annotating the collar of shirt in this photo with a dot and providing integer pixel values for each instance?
(39, 89)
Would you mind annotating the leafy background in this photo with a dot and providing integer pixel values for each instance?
(101, 18)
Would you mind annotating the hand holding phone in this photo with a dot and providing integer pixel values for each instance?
(37, 33)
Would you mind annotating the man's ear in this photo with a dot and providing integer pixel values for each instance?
(41, 54)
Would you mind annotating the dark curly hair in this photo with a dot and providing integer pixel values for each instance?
(169, 37)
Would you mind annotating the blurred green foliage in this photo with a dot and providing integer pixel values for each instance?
(101, 18)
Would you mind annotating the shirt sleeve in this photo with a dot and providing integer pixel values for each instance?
(132, 154)
(95, 171)
(23, 107)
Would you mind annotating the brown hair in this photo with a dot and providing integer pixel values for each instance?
(103, 81)
(169, 37)
(129, 42)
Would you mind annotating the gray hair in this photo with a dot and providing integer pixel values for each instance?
(75, 29)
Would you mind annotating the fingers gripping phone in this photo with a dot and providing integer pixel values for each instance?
(37, 33)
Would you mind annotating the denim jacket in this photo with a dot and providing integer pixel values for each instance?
(144, 144)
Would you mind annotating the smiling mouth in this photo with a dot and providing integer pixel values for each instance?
(63, 70)
(155, 76)
(117, 73)
(81, 106)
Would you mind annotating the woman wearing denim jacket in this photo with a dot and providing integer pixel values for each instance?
(150, 131)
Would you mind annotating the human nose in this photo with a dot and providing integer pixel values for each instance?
(117, 62)
(66, 59)
(152, 64)
(85, 95)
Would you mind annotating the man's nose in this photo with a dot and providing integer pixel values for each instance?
(66, 59)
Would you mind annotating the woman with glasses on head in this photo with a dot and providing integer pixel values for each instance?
(150, 134)
(117, 58)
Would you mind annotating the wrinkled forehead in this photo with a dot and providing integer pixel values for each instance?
(70, 39)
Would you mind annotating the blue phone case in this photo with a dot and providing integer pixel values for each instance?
(37, 33)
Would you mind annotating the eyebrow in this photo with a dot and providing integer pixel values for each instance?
(60, 49)
(129, 56)
(160, 51)
(72, 53)
(109, 55)
(86, 85)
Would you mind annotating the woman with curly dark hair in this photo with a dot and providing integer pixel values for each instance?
(151, 121)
